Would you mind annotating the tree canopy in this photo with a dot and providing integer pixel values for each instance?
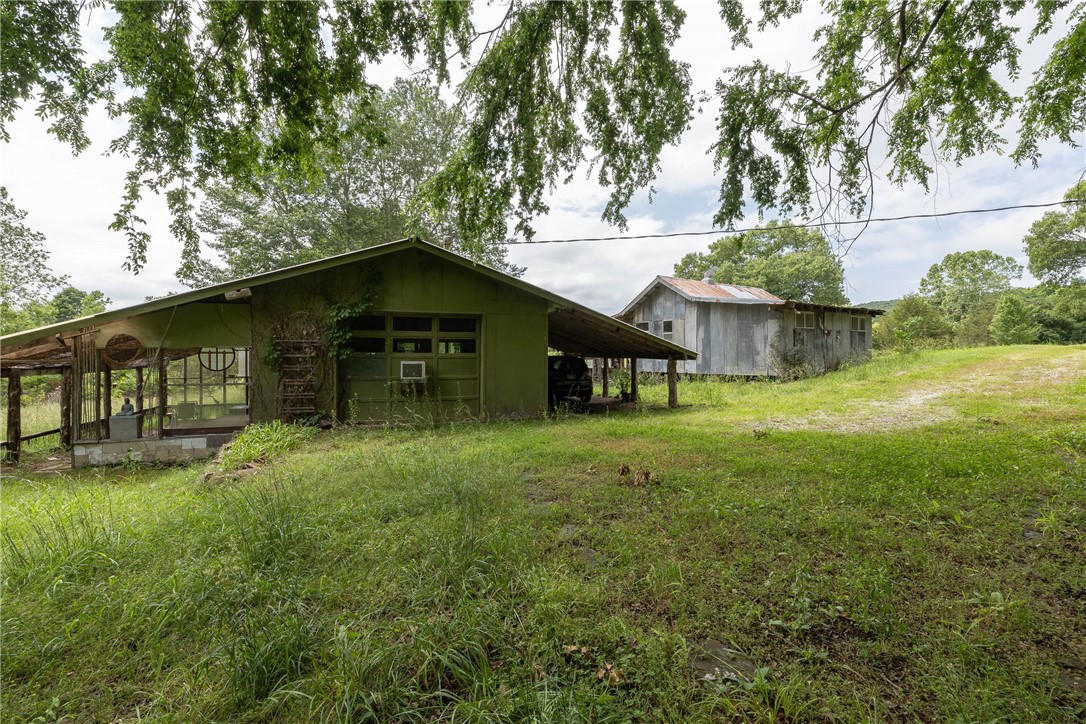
(1013, 322)
(789, 261)
(1056, 244)
(25, 277)
(27, 284)
(551, 86)
(962, 280)
(368, 192)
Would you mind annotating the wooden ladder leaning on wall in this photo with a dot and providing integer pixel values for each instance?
(297, 378)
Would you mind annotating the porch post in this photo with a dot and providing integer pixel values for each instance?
(66, 407)
(161, 393)
(672, 388)
(605, 377)
(139, 389)
(15, 403)
(107, 398)
(633, 380)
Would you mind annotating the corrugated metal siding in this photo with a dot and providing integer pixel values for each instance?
(738, 338)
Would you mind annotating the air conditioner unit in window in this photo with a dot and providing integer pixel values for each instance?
(412, 371)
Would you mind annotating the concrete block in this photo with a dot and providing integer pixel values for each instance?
(125, 427)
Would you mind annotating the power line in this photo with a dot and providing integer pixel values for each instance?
(807, 225)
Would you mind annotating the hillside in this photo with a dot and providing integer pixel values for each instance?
(899, 540)
(886, 304)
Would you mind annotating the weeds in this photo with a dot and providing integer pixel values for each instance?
(410, 575)
(259, 442)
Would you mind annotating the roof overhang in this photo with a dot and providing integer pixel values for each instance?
(597, 335)
(810, 307)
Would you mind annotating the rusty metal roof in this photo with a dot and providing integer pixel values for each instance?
(706, 292)
(698, 291)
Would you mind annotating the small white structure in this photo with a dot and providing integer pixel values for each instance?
(746, 331)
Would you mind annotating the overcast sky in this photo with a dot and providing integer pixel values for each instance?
(72, 199)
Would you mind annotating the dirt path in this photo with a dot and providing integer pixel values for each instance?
(924, 404)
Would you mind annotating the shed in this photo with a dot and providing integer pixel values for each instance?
(396, 332)
(746, 331)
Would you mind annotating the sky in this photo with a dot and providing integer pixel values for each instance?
(72, 199)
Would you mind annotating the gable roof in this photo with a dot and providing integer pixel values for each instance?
(700, 291)
(573, 327)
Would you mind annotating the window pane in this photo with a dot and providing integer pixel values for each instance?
(643, 325)
(367, 323)
(667, 327)
(412, 324)
(456, 346)
(368, 345)
(412, 346)
(456, 324)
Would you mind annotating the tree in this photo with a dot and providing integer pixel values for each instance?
(1014, 322)
(367, 193)
(1056, 244)
(25, 278)
(71, 303)
(913, 322)
(962, 280)
(789, 261)
(552, 85)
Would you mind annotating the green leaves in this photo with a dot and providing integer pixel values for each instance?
(959, 284)
(789, 261)
(1056, 244)
(232, 91)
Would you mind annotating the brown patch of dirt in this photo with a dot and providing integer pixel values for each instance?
(53, 464)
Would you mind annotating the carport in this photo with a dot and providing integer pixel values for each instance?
(587, 333)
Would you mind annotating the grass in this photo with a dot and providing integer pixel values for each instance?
(900, 540)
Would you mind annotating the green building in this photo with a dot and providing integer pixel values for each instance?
(404, 331)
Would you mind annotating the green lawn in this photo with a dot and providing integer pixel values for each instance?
(896, 541)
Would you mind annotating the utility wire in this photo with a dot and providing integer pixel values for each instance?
(806, 225)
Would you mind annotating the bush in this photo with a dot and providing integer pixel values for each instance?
(259, 442)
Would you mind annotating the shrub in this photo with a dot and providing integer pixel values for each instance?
(261, 441)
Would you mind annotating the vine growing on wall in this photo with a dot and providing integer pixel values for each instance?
(337, 330)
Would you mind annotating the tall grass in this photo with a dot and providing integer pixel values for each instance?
(491, 572)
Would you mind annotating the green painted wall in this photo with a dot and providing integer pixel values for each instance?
(193, 325)
(513, 334)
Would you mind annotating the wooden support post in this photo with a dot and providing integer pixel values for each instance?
(66, 407)
(672, 387)
(605, 377)
(139, 389)
(97, 401)
(161, 394)
(107, 397)
(633, 379)
(15, 404)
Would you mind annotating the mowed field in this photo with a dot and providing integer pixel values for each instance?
(900, 540)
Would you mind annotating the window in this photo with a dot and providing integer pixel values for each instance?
(805, 320)
(457, 324)
(456, 346)
(668, 326)
(859, 324)
(367, 345)
(412, 324)
(367, 323)
(642, 325)
(402, 345)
